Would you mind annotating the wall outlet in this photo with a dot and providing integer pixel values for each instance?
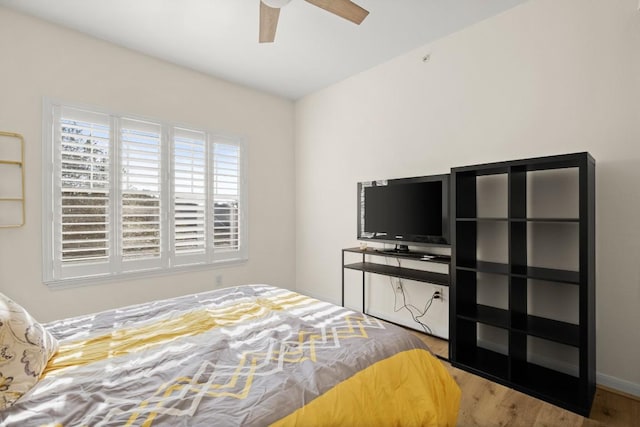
(219, 280)
(439, 294)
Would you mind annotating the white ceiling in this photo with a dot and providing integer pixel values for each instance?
(312, 50)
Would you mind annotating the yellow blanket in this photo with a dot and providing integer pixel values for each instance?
(392, 392)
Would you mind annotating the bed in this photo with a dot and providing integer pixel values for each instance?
(249, 355)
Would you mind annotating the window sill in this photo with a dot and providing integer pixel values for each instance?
(77, 282)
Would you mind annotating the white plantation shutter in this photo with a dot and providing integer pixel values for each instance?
(79, 241)
(190, 191)
(226, 197)
(127, 196)
(84, 210)
(140, 178)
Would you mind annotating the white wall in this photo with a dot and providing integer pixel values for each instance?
(39, 59)
(547, 77)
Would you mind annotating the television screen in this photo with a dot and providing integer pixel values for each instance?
(405, 211)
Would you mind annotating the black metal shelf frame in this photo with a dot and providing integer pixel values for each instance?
(365, 266)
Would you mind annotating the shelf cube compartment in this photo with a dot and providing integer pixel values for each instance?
(553, 300)
(465, 196)
(466, 290)
(553, 193)
(492, 290)
(482, 356)
(549, 370)
(492, 241)
(492, 196)
(551, 385)
(465, 253)
(553, 245)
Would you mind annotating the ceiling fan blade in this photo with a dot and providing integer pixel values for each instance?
(268, 23)
(343, 8)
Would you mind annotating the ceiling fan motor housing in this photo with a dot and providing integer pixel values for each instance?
(276, 4)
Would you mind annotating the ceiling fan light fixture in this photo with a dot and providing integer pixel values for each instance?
(276, 4)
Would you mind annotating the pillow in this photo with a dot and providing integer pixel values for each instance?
(25, 349)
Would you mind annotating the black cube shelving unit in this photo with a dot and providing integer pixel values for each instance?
(512, 361)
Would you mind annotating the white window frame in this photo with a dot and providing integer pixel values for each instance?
(57, 274)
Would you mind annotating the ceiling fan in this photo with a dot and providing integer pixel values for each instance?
(270, 12)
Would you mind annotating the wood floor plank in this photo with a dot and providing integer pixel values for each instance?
(551, 416)
(517, 409)
(485, 401)
(614, 409)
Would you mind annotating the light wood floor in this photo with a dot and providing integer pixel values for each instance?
(485, 403)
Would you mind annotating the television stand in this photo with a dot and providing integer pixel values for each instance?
(368, 266)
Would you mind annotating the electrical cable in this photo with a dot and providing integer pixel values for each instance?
(409, 307)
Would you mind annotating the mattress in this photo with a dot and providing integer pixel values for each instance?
(250, 355)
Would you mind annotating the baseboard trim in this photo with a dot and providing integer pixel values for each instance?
(618, 386)
(606, 389)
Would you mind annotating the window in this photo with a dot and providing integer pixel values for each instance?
(125, 196)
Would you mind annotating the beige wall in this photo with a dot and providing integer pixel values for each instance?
(38, 59)
(547, 77)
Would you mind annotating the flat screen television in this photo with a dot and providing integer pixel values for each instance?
(406, 211)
